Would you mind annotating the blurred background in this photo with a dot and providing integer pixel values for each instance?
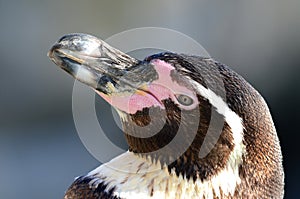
(40, 151)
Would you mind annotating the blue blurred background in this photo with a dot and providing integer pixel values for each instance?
(40, 151)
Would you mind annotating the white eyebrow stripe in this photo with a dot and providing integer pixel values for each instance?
(235, 122)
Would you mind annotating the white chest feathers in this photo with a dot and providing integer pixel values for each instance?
(132, 177)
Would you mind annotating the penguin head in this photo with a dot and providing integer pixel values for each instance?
(191, 114)
(168, 103)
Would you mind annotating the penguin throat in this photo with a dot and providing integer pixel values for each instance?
(177, 140)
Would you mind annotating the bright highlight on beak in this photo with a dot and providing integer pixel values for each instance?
(90, 60)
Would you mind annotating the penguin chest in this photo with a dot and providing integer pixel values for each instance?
(129, 176)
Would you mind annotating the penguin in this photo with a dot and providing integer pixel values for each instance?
(195, 128)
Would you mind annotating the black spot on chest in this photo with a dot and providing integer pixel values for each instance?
(81, 189)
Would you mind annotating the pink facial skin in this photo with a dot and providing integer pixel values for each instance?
(153, 93)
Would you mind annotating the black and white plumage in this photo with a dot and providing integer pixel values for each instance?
(176, 92)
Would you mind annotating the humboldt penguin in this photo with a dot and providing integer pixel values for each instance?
(195, 128)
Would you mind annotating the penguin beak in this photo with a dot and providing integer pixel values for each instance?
(113, 74)
(90, 60)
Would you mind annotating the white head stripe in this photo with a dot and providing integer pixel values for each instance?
(232, 119)
(228, 178)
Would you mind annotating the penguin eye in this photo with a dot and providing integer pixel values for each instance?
(185, 100)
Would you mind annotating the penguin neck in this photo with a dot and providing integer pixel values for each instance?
(192, 153)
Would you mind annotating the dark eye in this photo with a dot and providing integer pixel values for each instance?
(185, 100)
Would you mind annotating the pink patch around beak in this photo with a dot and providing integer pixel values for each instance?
(132, 103)
(150, 95)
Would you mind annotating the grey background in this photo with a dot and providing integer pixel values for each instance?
(40, 151)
